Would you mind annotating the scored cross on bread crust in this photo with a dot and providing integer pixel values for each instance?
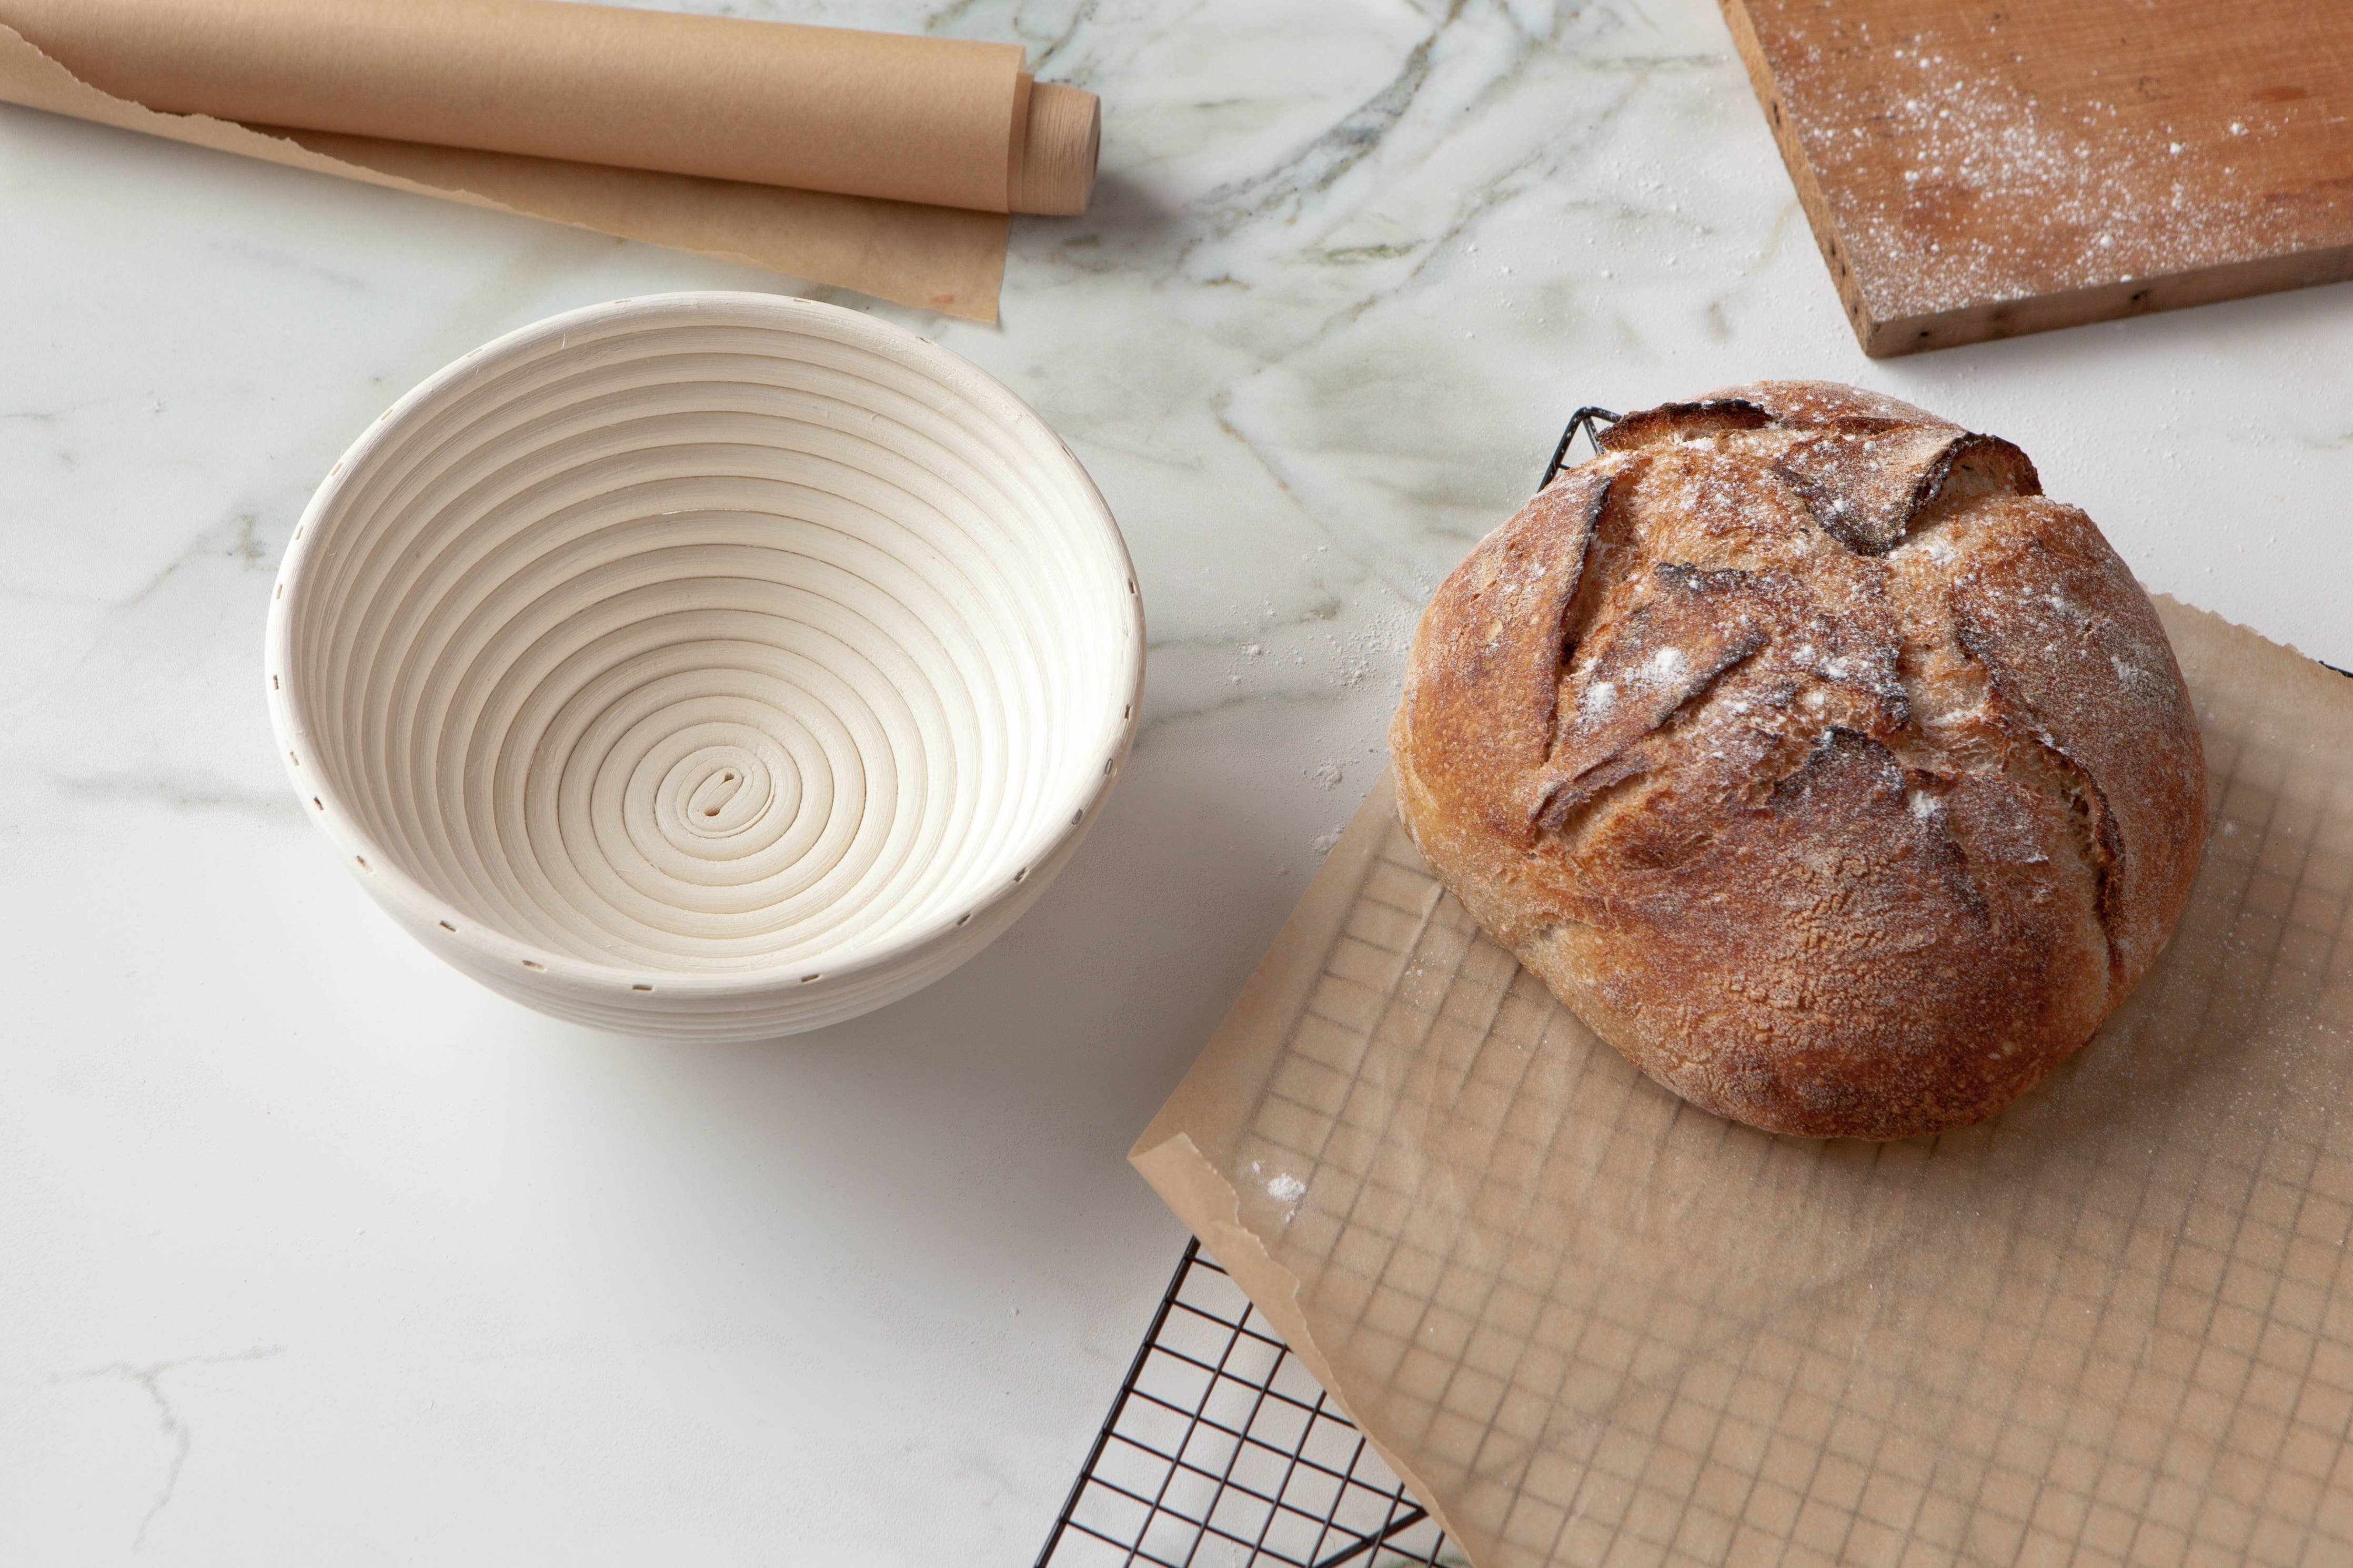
(1824, 766)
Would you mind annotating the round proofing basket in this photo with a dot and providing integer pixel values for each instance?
(710, 666)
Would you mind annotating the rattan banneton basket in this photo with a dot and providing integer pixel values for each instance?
(711, 666)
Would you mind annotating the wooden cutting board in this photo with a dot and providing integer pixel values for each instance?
(1976, 170)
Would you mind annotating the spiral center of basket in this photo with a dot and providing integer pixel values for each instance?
(719, 792)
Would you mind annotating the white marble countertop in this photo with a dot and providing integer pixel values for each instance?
(316, 1252)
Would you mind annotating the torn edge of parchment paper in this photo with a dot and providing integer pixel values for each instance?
(1192, 1188)
(1167, 1157)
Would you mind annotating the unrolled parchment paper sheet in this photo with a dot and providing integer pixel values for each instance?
(1590, 1324)
(878, 162)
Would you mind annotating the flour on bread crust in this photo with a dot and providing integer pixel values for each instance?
(1823, 765)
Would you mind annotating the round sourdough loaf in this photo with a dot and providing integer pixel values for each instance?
(1824, 766)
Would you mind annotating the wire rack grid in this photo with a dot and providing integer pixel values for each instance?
(1221, 1451)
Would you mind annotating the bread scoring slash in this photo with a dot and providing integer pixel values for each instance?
(1829, 770)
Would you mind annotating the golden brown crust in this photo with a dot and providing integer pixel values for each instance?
(1829, 770)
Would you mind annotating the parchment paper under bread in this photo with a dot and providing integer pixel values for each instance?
(1590, 1324)
(944, 258)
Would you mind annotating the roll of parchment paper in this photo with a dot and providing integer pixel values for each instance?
(914, 252)
(945, 121)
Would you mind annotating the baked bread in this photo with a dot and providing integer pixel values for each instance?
(1818, 762)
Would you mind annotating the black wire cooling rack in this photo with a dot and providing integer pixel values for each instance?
(1223, 1452)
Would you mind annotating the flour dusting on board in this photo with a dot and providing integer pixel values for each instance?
(1982, 157)
(1957, 159)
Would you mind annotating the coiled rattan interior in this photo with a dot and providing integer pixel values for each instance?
(707, 636)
